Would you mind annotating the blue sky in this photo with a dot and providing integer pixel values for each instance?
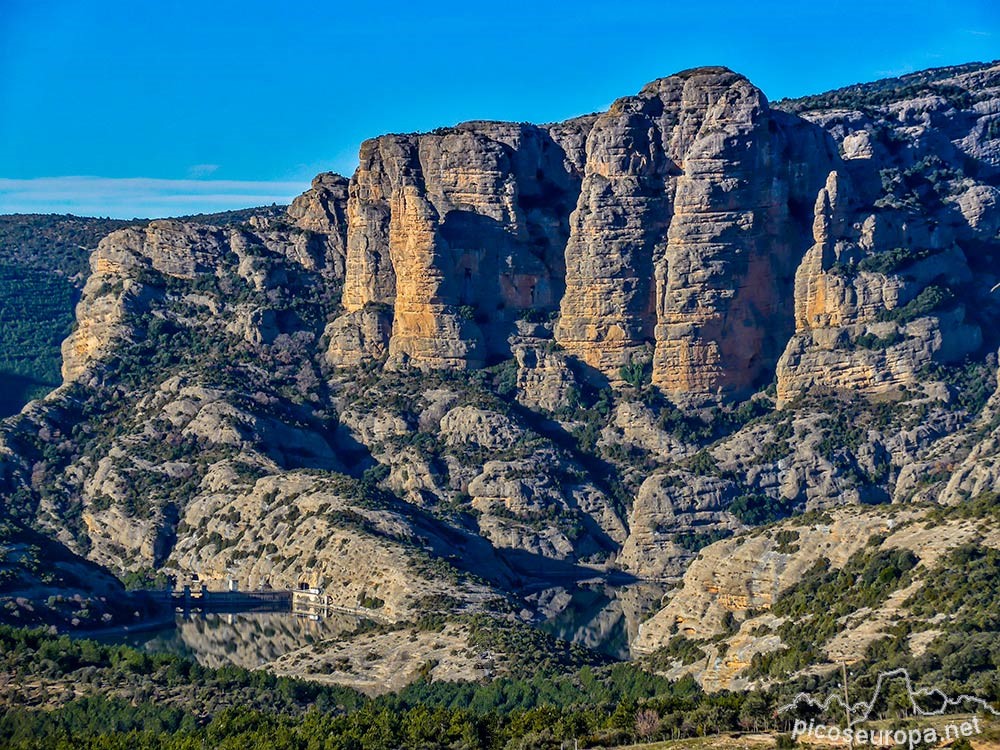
(146, 108)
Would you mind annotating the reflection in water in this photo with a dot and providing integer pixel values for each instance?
(596, 614)
(599, 615)
(248, 639)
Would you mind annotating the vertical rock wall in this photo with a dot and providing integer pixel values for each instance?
(691, 229)
(459, 231)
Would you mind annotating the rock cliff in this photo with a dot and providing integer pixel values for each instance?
(504, 356)
(693, 230)
(900, 273)
(687, 232)
(458, 231)
(322, 211)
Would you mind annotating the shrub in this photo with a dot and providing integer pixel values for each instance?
(930, 299)
(895, 260)
(636, 374)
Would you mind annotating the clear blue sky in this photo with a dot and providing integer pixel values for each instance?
(207, 105)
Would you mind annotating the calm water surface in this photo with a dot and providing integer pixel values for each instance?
(598, 615)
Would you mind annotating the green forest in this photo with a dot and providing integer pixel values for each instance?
(124, 698)
(69, 693)
(36, 314)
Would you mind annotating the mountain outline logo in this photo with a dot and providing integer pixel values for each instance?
(861, 710)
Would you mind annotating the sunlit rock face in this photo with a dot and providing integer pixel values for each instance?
(692, 229)
(687, 233)
(459, 231)
(666, 230)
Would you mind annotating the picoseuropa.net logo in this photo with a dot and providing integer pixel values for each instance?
(892, 689)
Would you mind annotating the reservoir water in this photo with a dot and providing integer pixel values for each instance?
(598, 615)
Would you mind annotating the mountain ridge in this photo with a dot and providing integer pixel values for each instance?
(502, 353)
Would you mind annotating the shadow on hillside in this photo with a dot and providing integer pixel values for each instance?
(17, 390)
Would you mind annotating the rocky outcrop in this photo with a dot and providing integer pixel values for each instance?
(530, 505)
(724, 601)
(689, 219)
(685, 235)
(683, 239)
(691, 229)
(687, 226)
(854, 293)
(305, 532)
(114, 292)
(671, 511)
(532, 501)
(898, 276)
(322, 211)
(458, 231)
(360, 336)
(545, 377)
(748, 573)
(134, 270)
(479, 428)
(978, 470)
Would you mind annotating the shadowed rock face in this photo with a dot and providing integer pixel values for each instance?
(900, 223)
(322, 210)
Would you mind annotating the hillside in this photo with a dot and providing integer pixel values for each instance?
(876, 95)
(43, 266)
(745, 351)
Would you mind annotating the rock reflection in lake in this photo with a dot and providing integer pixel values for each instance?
(249, 639)
(598, 615)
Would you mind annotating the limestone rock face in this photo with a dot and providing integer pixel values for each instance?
(545, 379)
(527, 505)
(668, 507)
(692, 229)
(133, 268)
(665, 230)
(114, 292)
(118, 290)
(979, 470)
(684, 239)
(467, 425)
(748, 573)
(306, 519)
(980, 206)
(736, 581)
(360, 336)
(853, 293)
(664, 233)
(897, 277)
(459, 230)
